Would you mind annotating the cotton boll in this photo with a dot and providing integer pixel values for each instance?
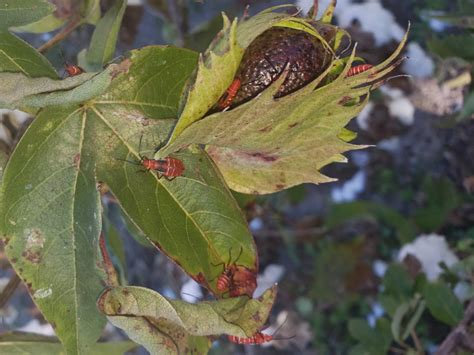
(430, 250)
(373, 18)
(379, 267)
(389, 144)
(191, 291)
(34, 326)
(364, 115)
(271, 275)
(403, 109)
(419, 64)
(351, 188)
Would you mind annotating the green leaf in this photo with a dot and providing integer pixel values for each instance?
(373, 341)
(442, 303)
(329, 12)
(3, 162)
(468, 109)
(146, 316)
(50, 179)
(91, 11)
(48, 23)
(22, 12)
(19, 90)
(195, 232)
(104, 39)
(340, 213)
(216, 69)
(461, 46)
(284, 142)
(441, 198)
(153, 84)
(405, 318)
(52, 175)
(397, 283)
(240, 316)
(17, 56)
(26, 343)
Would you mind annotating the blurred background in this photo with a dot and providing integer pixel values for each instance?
(380, 262)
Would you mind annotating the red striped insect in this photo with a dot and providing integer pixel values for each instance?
(358, 69)
(237, 280)
(224, 281)
(72, 69)
(258, 338)
(226, 100)
(169, 167)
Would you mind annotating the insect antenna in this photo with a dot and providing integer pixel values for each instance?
(238, 257)
(279, 328)
(129, 161)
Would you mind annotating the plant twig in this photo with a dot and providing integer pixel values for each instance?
(417, 342)
(461, 336)
(112, 278)
(65, 31)
(9, 290)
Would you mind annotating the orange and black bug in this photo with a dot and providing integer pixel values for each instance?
(226, 100)
(71, 69)
(224, 281)
(359, 69)
(169, 167)
(258, 338)
(235, 279)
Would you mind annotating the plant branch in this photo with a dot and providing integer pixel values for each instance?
(460, 337)
(112, 278)
(9, 290)
(63, 33)
(416, 340)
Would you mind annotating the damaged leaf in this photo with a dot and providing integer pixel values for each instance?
(267, 144)
(178, 325)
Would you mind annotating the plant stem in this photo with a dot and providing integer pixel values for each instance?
(58, 37)
(461, 336)
(416, 340)
(9, 290)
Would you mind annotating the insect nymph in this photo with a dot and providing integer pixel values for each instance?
(168, 167)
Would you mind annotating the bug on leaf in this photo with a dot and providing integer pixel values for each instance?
(359, 69)
(226, 100)
(168, 167)
(258, 338)
(237, 280)
(224, 281)
(71, 69)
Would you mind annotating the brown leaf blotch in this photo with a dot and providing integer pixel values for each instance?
(77, 159)
(344, 100)
(264, 157)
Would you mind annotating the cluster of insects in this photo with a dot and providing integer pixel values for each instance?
(236, 280)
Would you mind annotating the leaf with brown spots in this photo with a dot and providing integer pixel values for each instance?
(307, 127)
(170, 326)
